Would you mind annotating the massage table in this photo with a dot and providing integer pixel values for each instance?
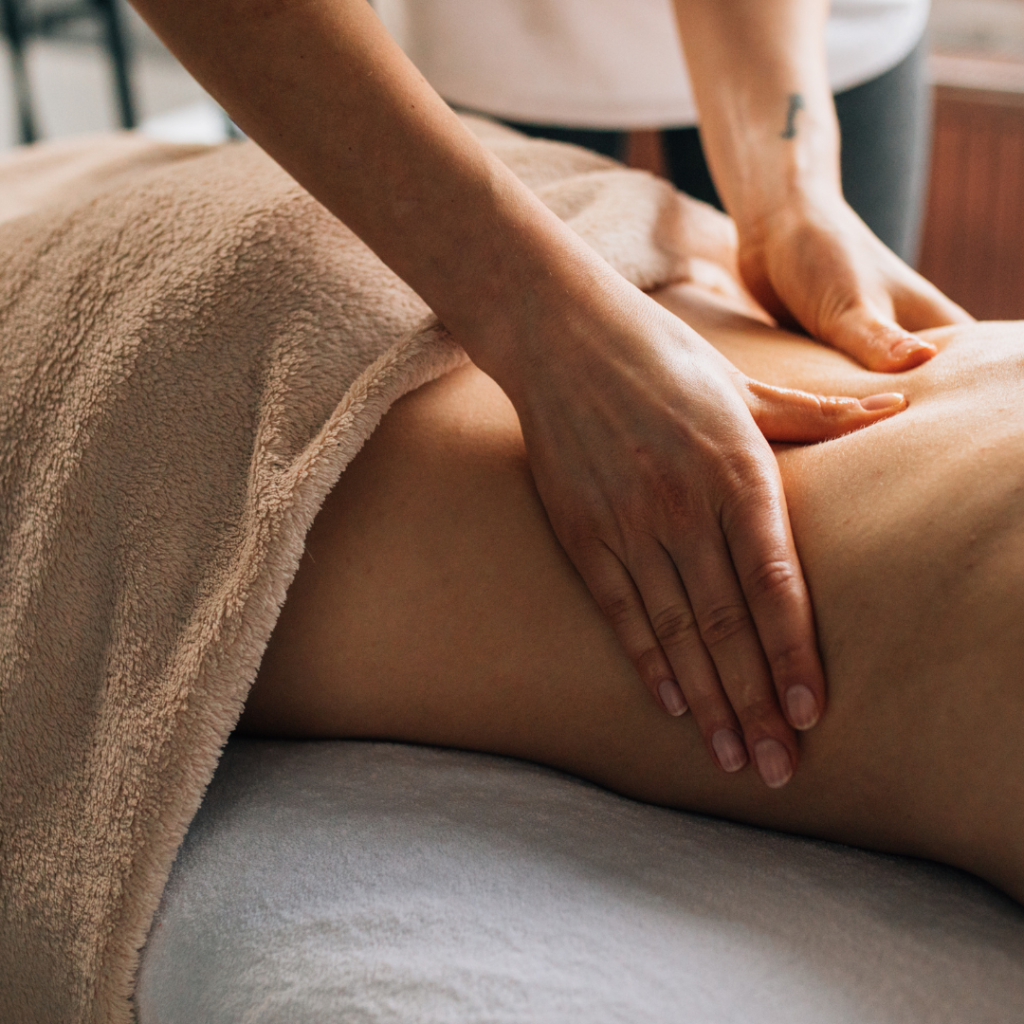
(379, 883)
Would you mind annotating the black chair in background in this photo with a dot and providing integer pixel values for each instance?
(24, 20)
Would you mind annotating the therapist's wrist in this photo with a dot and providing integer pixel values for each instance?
(511, 286)
(794, 202)
(773, 175)
(558, 300)
(774, 149)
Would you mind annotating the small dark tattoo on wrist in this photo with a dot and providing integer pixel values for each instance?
(796, 104)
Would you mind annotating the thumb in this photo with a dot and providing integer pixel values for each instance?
(783, 414)
(876, 342)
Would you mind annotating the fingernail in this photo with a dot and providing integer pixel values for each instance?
(672, 697)
(911, 348)
(729, 750)
(801, 707)
(876, 403)
(773, 762)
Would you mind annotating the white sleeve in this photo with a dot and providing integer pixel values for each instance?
(606, 63)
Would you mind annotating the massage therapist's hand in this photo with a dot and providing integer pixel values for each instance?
(769, 129)
(649, 452)
(647, 447)
(816, 263)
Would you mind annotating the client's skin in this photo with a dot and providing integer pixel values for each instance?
(434, 605)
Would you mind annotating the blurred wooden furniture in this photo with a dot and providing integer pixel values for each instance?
(644, 152)
(973, 241)
(22, 20)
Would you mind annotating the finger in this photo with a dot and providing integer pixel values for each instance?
(760, 287)
(784, 414)
(920, 305)
(760, 541)
(675, 626)
(730, 636)
(618, 598)
(875, 341)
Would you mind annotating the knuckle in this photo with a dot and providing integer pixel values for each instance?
(747, 482)
(675, 625)
(773, 578)
(834, 407)
(843, 300)
(619, 608)
(651, 665)
(821, 405)
(723, 623)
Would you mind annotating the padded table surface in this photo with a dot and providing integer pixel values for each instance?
(373, 882)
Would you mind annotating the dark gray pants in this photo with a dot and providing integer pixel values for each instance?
(886, 131)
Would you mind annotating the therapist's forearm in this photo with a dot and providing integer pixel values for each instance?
(760, 79)
(321, 86)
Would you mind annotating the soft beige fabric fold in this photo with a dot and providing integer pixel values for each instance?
(191, 352)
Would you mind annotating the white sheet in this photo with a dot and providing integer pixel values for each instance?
(368, 883)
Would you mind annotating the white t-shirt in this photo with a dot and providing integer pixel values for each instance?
(606, 63)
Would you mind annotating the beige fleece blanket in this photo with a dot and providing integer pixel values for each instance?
(191, 352)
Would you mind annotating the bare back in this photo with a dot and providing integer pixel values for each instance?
(434, 605)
